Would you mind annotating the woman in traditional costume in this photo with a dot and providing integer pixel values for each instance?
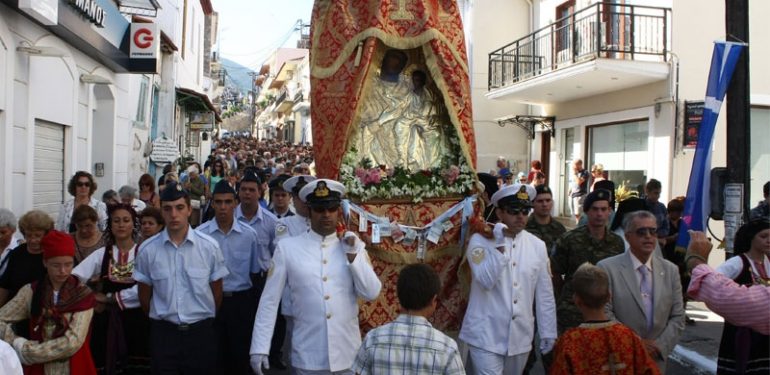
(120, 329)
(59, 309)
(744, 350)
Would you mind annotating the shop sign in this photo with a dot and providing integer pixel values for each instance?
(145, 41)
(91, 10)
(202, 120)
(693, 115)
(164, 151)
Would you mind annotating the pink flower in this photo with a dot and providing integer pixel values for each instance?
(372, 177)
(361, 175)
(451, 174)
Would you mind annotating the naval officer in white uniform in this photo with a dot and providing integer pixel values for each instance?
(326, 275)
(510, 273)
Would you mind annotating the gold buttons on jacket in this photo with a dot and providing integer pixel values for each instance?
(325, 261)
(328, 316)
(325, 278)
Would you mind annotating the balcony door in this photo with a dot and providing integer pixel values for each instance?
(564, 30)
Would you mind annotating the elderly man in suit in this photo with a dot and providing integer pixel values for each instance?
(646, 292)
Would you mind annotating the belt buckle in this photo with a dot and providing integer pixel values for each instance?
(183, 327)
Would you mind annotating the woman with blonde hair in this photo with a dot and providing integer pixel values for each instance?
(25, 264)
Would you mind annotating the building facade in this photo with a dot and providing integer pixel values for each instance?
(74, 95)
(66, 99)
(617, 84)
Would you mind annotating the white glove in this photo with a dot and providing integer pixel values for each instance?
(499, 235)
(546, 345)
(350, 242)
(258, 361)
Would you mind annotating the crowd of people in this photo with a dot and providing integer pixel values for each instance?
(216, 268)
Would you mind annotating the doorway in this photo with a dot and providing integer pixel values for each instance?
(570, 154)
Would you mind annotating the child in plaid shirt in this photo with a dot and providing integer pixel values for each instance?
(410, 344)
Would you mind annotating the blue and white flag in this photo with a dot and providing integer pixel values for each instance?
(697, 206)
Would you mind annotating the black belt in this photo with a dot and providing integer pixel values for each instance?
(185, 326)
(236, 294)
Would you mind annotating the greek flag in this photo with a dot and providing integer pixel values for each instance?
(697, 205)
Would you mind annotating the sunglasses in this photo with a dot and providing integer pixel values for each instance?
(84, 184)
(516, 211)
(322, 209)
(641, 232)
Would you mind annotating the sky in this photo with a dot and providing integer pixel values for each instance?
(249, 30)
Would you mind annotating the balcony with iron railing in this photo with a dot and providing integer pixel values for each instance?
(620, 45)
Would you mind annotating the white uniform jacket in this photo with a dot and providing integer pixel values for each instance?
(504, 286)
(324, 289)
(290, 226)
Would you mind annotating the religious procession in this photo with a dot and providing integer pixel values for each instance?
(381, 229)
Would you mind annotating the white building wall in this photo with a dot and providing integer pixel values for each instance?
(494, 24)
(693, 28)
(190, 55)
(48, 88)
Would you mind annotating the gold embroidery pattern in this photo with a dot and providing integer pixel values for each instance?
(477, 255)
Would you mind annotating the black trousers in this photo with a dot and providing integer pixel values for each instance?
(234, 324)
(188, 349)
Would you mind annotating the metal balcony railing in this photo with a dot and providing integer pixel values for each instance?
(603, 30)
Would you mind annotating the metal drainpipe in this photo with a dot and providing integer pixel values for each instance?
(529, 106)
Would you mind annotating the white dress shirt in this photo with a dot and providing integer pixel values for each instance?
(504, 287)
(324, 290)
(68, 207)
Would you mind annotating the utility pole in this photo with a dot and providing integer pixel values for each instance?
(738, 116)
(253, 109)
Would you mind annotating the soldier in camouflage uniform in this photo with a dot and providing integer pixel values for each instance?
(588, 243)
(545, 227)
(541, 223)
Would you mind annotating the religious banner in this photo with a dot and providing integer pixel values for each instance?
(392, 121)
(364, 56)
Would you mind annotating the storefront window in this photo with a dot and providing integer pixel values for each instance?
(622, 150)
(141, 107)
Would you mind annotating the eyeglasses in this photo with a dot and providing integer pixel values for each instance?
(516, 211)
(641, 232)
(84, 184)
(322, 209)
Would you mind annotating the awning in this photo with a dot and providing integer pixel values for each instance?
(139, 7)
(193, 100)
